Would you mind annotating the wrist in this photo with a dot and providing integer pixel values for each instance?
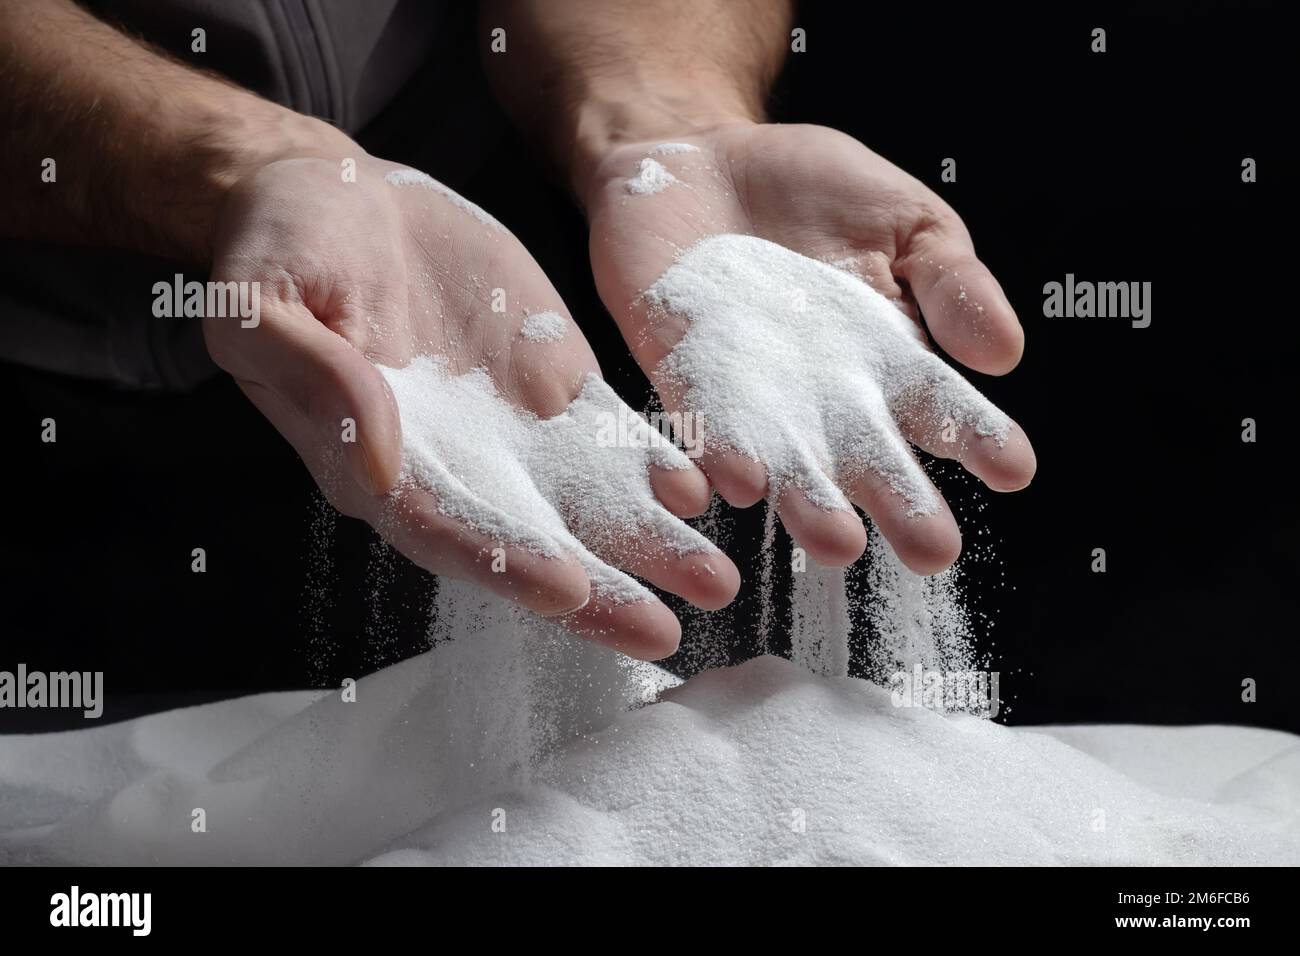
(613, 119)
(167, 164)
(226, 141)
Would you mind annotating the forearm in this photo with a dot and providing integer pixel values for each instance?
(585, 76)
(144, 149)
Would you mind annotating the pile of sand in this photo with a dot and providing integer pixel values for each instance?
(760, 763)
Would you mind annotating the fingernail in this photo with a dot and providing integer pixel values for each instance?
(555, 614)
(370, 481)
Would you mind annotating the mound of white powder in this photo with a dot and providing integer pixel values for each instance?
(544, 327)
(806, 368)
(761, 763)
(652, 177)
(569, 485)
(766, 764)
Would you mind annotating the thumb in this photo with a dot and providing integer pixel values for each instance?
(336, 400)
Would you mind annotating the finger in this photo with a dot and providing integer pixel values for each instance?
(334, 389)
(706, 578)
(740, 480)
(440, 544)
(948, 417)
(926, 543)
(964, 307)
(831, 536)
(646, 630)
(652, 544)
(1008, 465)
(683, 491)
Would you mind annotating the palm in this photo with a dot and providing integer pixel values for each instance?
(826, 196)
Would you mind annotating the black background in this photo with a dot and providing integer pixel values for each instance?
(1122, 166)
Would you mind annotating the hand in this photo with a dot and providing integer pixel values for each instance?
(822, 194)
(357, 273)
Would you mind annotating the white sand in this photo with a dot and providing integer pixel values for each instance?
(544, 327)
(762, 763)
(807, 369)
(552, 486)
(651, 177)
